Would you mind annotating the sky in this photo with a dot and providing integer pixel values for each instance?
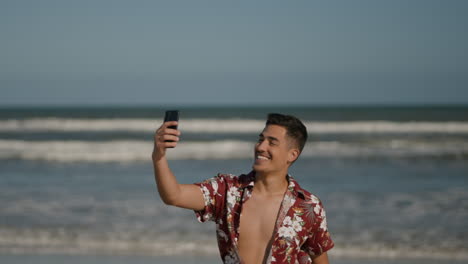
(173, 52)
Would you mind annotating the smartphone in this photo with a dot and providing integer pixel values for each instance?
(172, 115)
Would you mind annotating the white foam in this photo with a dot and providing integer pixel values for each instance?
(63, 241)
(389, 148)
(224, 126)
(66, 241)
(379, 250)
(118, 151)
(387, 127)
(130, 125)
(137, 150)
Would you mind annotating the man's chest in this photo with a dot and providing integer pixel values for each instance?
(258, 218)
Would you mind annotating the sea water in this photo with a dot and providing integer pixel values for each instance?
(79, 181)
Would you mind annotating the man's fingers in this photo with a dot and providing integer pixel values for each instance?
(166, 125)
(168, 131)
(170, 123)
(164, 137)
(166, 145)
(168, 137)
(170, 144)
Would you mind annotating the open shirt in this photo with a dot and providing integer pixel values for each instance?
(301, 227)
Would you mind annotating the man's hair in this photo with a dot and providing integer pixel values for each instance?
(295, 129)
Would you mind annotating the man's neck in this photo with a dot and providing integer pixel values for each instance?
(271, 184)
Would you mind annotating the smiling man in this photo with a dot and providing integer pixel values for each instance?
(263, 216)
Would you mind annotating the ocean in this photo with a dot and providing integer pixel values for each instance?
(76, 183)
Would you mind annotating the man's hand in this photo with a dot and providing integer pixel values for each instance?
(172, 193)
(163, 134)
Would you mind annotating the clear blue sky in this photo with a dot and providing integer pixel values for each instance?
(233, 52)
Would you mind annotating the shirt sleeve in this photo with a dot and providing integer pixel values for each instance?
(213, 191)
(319, 240)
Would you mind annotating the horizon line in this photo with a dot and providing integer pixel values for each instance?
(236, 105)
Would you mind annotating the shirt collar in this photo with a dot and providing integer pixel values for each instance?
(249, 181)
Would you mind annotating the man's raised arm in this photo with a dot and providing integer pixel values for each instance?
(172, 193)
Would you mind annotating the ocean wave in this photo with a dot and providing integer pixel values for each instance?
(133, 151)
(378, 250)
(118, 151)
(83, 224)
(66, 241)
(79, 241)
(130, 125)
(225, 126)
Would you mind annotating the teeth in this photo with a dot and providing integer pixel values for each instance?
(262, 158)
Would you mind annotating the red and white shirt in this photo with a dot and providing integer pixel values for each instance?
(301, 228)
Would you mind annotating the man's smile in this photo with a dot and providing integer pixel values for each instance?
(261, 157)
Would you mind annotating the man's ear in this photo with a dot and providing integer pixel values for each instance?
(293, 155)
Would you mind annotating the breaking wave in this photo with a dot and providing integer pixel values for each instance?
(138, 150)
(63, 241)
(224, 126)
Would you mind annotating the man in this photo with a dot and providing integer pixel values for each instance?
(263, 216)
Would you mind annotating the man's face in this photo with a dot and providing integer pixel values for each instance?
(274, 151)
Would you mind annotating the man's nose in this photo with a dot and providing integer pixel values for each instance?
(261, 146)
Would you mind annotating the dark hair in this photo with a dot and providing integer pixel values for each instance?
(294, 127)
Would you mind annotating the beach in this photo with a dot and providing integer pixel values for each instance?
(77, 184)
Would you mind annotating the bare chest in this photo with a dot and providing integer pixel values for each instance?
(257, 224)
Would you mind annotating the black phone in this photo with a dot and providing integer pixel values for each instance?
(172, 115)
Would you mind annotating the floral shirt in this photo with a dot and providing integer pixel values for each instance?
(301, 228)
